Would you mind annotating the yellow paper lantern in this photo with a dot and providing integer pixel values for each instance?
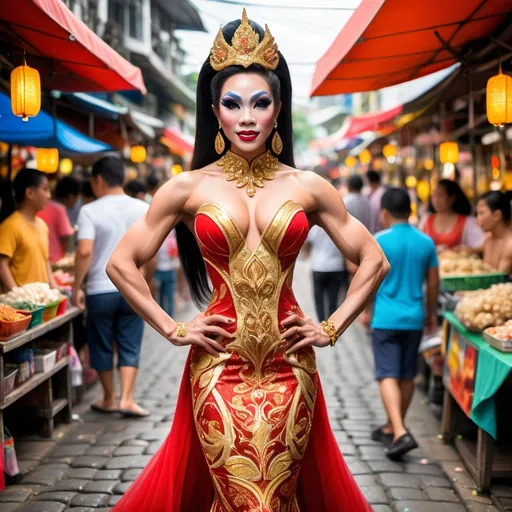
(428, 163)
(365, 157)
(25, 92)
(423, 190)
(66, 166)
(390, 150)
(449, 153)
(411, 182)
(499, 99)
(507, 181)
(176, 169)
(47, 160)
(138, 154)
(350, 161)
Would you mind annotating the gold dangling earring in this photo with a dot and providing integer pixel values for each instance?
(277, 143)
(220, 145)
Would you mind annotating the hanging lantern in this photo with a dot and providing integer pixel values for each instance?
(365, 157)
(47, 160)
(411, 182)
(449, 153)
(428, 163)
(499, 99)
(66, 166)
(25, 92)
(423, 190)
(390, 151)
(138, 154)
(495, 163)
(176, 169)
(507, 181)
(350, 162)
(3, 148)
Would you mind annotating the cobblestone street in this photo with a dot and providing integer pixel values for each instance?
(93, 462)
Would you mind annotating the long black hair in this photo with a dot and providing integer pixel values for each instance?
(209, 86)
(498, 201)
(461, 204)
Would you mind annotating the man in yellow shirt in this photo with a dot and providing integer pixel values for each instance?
(24, 245)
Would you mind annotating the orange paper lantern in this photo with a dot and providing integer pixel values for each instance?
(449, 153)
(350, 161)
(47, 160)
(25, 92)
(499, 99)
(138, 154)
(390, 150)
(365, 157)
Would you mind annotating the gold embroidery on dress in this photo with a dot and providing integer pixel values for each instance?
(256, 439)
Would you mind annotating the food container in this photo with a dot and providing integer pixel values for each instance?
(10, 372)
(50, 310)
(35, 310)
(44, 360)
(497, 343)
(61, 348)
(25, 363)
(11, 329)
(63, 304)
(472, 282)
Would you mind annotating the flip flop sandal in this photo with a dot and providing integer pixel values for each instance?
(98, 408)
(132, 414)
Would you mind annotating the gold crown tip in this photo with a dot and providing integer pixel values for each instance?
(244, 15)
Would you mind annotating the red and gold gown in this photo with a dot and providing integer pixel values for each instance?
(251, 431)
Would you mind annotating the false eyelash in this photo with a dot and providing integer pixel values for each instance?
(230, 104)
(263, 103)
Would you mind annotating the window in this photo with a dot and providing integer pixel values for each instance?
(135, 19)
(116, 12)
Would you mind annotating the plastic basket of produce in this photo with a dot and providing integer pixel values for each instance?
(50, 310)
(12, 322)
(63, 304)
(472, 282)
(9, 378)
(35, 310)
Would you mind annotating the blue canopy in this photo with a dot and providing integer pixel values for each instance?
(97, 105)
(44, 131)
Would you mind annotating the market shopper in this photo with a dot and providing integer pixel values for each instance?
(374, 194)
(167, 266)
(358, 205)
(329, 273)
(152, 184)
(60, 230)
(399, 316)
(67, 193)
(493, 216)
(449, 224)
(24, 243)
(101, 225)
(136, 189)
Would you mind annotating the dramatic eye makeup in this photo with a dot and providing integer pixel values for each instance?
(231, 100)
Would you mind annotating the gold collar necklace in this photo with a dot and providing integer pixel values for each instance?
(237, 168)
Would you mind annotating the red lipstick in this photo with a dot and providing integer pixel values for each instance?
(247, 135)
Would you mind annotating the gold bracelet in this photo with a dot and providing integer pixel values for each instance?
(330, 329)
(181, 330)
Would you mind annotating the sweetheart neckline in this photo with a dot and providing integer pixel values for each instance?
(235, 224)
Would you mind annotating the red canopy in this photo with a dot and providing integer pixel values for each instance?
(387, 42)
(176, 142)
(69, 55)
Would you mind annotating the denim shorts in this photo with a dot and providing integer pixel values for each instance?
(396, 353)
(111, 321)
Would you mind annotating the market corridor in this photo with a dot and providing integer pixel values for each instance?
(92, 463)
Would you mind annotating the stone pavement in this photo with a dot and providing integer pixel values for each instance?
(92, 463)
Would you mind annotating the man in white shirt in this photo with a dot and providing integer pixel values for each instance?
(329, 274)
(357, 205)
(110, 319)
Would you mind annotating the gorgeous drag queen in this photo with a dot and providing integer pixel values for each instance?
(251, 431)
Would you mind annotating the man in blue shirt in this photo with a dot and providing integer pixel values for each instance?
(399, 316)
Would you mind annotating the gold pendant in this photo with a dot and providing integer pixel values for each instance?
(237, 168)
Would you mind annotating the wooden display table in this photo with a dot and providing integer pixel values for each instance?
(474, 373)
(55, 393)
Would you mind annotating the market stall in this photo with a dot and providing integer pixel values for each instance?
(477, 376)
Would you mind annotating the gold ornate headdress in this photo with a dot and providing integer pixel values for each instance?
(245, 48)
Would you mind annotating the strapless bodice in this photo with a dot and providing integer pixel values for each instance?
(252, 286)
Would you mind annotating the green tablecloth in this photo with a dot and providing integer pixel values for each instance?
(492, 369)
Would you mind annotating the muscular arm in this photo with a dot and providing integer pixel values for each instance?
(356, 244)
(6, 278)
(141, 243)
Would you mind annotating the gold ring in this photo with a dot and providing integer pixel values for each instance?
(181, 330)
